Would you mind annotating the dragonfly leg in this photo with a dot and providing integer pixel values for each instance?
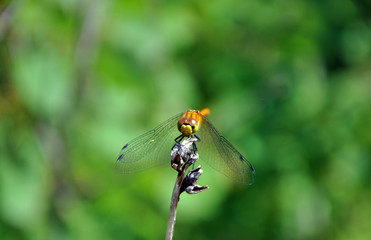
(194, 146)
(178, 139)
(198, 139)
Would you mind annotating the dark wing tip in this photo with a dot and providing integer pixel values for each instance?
(120, 157)
(125, 146)
(251, 181)
(252, 169)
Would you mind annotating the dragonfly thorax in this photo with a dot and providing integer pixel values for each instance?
(188, 126)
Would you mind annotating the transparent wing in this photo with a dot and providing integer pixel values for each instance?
(217, 152)
(150, 149)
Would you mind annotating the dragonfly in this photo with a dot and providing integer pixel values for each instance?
(153, 147)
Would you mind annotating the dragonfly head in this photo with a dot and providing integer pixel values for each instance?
(188, 126)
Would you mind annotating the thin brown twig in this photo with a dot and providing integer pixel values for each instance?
(182, 153)
(174, 205)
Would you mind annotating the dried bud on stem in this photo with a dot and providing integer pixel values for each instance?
(189, 182)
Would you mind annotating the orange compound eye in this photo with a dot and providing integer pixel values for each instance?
(192, 121)
(194, 124)
(182, 121)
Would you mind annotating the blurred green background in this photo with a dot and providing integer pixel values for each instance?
(288, 83)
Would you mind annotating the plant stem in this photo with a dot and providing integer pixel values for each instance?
(174, 205)
(180, 153)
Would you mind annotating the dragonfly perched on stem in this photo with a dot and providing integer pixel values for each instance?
(153, 147)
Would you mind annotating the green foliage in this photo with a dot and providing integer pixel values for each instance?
(287, 82)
